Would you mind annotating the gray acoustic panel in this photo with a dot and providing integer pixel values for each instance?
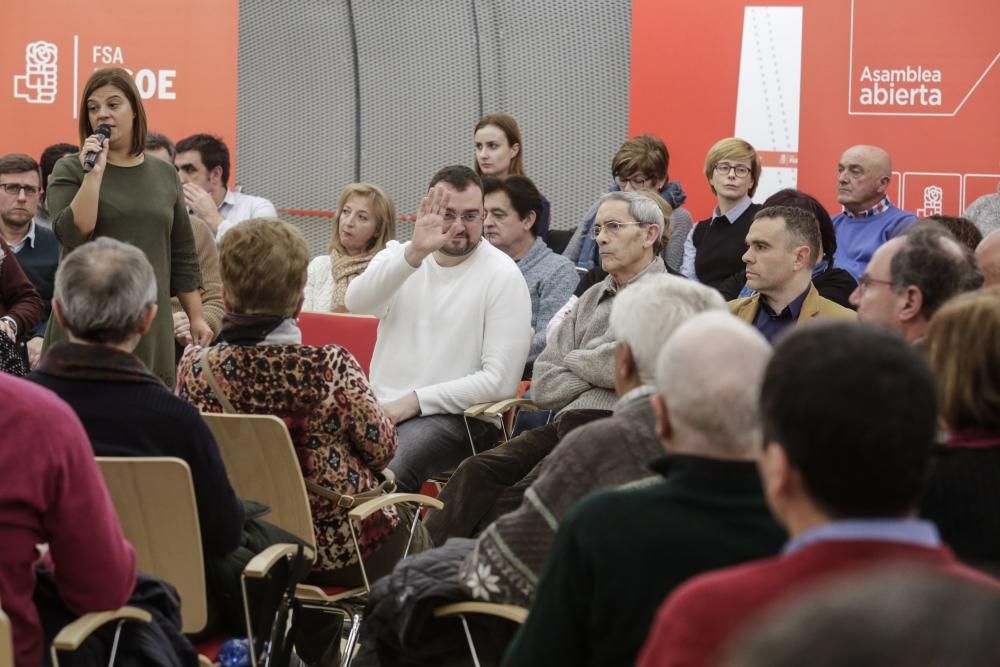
(419, 75)
(426, 72)
(296, 107)
(562, 70)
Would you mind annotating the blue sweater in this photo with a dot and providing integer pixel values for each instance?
(859, 238)
(39, 264)
(551, 281)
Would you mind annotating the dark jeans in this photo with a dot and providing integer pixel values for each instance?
(434, 444)
(493, 483)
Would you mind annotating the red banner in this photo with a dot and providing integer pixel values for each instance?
(804, 80)
(182, 55)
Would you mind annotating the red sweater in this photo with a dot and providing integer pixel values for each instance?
(694, 624)
(52, 491)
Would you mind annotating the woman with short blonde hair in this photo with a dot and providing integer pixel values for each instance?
(365, 222)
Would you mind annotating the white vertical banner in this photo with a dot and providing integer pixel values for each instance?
(767, 102)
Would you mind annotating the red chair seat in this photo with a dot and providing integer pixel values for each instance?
(355, 333)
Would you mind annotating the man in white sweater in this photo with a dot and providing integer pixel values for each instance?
(454, 330)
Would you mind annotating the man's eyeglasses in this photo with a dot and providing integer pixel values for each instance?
(866, 281)
(723, 169)
(637, 181)
(613, 227)
(468, 217)
(13, 189)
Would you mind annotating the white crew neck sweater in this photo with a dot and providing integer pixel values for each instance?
(456, 335)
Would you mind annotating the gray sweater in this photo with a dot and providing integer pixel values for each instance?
(576, 370)
(551, 279)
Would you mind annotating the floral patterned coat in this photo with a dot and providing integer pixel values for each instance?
(341, 435)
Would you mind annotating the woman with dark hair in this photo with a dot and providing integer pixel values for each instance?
(961, 496)
(499, 152)
(832, 283)
(129, 198)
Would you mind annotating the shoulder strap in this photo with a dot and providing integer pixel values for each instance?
(213, 384)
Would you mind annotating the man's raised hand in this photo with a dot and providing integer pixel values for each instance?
(429, 232)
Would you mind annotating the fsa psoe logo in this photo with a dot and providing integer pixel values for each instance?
(39, 83)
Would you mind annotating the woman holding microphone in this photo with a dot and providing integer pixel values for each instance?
(122, 195)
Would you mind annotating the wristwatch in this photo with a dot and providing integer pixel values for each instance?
(12, 322)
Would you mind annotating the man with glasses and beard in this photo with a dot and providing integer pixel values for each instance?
(454, 330)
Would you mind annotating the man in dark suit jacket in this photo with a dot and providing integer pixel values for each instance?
(849, 417)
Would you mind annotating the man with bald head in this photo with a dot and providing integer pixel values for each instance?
(619, 552)
(869, 219)
(910, 277)
(988, 258)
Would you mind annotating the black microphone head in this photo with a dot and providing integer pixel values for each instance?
(104, 130)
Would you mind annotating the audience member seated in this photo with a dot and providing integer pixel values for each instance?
(714, 247)
(513, 206)
(203, 166)
(831, 282)
(641, 163)
(961, 228)
(47, 163)
(573, 376)
(962, 345)
(849, 418)
(869, 218)
(36, 247)
(503, 564)
(500, 153)
(20, 305)
(365, 222)
(159, 146)
(342, 436)
(619, 552)
(782, 246)
(910, 277)
(889, 617)
(51, 492)
(455, 319)
(985, 212)
(988, 258)
(105, 298)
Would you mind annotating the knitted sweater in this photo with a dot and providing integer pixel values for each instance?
(551, 280)
(576, 370)
(505, 562)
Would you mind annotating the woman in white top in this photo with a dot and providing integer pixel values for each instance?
(366, 220)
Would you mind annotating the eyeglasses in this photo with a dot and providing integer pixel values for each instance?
(637, 182)
(866, 281)
(613, 227)
(13, 189)
(723, 169)
(468, 217)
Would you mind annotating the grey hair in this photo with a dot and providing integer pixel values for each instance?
(104, 289)
(640, 207)
(645, 314)
(709, 375)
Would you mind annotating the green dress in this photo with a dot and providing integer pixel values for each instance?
(142, 205)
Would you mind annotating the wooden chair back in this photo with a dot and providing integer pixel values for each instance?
(154, 498)
(261, 463)
(355, 333)
(6, 642)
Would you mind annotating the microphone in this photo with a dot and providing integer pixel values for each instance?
(88, 162)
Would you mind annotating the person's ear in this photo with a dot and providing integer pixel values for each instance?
(529, 221)
(664, 429)
(215, 176)
(147, 319)
(913, 303)
(514, 150)
(802, 258)
(775, 472)
(58, 312)
(653, 233)
(625, 365)
(298, 308)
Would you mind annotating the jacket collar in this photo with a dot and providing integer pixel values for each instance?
(77, 361)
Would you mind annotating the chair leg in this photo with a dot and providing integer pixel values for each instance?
(352, 639)
(468, 432)
(468, 639)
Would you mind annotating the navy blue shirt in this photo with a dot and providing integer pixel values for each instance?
(773, 324)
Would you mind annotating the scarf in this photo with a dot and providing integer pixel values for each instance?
(345, 268)
(241, 329)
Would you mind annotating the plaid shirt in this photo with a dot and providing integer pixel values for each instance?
(878, 208)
